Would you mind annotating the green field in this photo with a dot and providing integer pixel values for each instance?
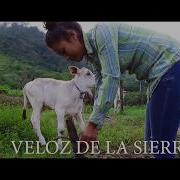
(127, 127)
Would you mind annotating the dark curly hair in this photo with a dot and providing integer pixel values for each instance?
(57, 31)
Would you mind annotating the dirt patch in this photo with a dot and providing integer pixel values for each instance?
(10, 100)
(121, 155)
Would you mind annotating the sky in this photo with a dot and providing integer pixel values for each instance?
(170, 28)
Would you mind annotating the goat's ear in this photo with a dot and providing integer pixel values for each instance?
(73, 70)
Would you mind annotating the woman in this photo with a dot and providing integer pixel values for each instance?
(114, 48)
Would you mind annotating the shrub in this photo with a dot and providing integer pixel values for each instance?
(4, 89)
(135, 98)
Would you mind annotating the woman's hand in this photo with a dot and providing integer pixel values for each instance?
(90, 134)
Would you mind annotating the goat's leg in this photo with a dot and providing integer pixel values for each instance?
(82, 124)
(35, 120)
(74, 118)
(60, 127)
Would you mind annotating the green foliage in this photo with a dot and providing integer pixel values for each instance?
(135, 98)
(10, 92)
(22, 42)
(4, 89)
(16, 73)
(127, 127)
(130, 83)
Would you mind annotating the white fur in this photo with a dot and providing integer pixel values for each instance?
(62, 96)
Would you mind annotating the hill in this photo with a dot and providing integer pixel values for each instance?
(16, 73)
(28, 44)
(25, 56)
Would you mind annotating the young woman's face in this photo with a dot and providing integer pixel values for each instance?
(71, 49)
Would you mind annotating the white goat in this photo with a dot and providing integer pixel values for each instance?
(65, 97)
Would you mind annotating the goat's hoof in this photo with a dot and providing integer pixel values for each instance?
(42, 142)
(60, 147)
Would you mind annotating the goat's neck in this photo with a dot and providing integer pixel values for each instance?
(79, 87)
(75, 91)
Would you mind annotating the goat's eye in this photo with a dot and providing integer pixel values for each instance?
(88, 74)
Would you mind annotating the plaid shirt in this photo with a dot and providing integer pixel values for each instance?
(112, 49)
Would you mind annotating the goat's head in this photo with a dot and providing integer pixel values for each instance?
(83, 77)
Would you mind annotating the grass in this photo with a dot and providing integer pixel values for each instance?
(127, 127)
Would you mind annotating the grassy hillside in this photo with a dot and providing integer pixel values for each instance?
(28, 43)
(15, 73)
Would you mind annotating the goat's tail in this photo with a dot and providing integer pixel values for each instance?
(25, 104)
